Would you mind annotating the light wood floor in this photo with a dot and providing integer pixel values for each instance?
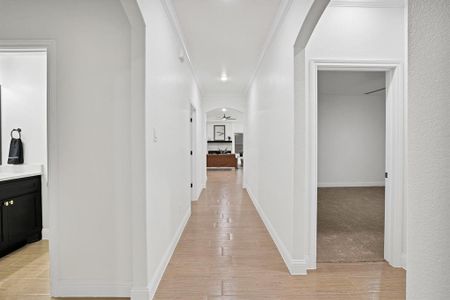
(226, 252)
(24, 274)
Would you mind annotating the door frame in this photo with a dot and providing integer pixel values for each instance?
(193, 157)
(50, 176)
(396, 137)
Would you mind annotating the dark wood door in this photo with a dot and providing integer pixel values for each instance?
(21, 217)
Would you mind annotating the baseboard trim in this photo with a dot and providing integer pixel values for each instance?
(154, 283)
(351, 184)
(46, 234)
(198, 194)
(295, 266)
(74, 288)
(140, 293)
(404, 261)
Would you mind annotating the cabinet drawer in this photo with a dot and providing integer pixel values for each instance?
(17, 187)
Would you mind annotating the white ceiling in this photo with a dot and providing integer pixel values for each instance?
(225, 35)
(350, 82)
(217, 114)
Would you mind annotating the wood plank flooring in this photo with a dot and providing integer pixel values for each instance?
(226, 253)
(24, 274)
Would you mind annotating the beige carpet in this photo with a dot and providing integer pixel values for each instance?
(350, 224)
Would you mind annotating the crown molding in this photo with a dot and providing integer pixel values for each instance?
(171, 13)
(368, 3)
(283, 8)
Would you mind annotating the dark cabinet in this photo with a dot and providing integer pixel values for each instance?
(20, 213)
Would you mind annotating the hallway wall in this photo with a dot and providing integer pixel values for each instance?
(268, 147)
(428, 275)
(364, 33)
(90, 128)
(171, 89)
(276, 130)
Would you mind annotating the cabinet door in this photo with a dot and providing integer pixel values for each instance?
(21, 217)
(2, 221)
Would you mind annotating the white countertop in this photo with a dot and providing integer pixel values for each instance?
(10, 172)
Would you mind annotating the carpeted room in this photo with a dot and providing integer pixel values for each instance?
(351, 166)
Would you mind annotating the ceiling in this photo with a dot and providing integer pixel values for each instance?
(225, 36)
(350, 82)
(216, 115)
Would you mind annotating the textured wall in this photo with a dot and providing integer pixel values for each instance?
(428, 275)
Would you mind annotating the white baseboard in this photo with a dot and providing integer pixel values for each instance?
(198, 194)
(404, 261)
(141, 293)
(153, 286)
(295, 266)
(45, 234)
(351, 184)
(74, 288)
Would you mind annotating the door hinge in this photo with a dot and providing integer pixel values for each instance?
(191, 120)
(192, 185)
(386, 175)
(192, 152)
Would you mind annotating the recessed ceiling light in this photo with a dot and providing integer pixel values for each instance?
(224, 109)
(224, 77)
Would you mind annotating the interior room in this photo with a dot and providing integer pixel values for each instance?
(351, 166)
(224, 149)
(225, 138)
(24, 210)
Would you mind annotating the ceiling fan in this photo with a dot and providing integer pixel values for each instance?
(226, 118)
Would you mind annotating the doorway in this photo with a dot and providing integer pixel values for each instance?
(351, 166)
(239, 148)
(394, 220)
(224, 130)
(193, 153)
(24, 80)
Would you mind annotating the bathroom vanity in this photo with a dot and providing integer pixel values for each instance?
(20, 209)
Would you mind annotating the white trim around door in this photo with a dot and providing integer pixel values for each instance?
(396, 135)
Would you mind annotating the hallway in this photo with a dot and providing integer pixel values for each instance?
(225, 252)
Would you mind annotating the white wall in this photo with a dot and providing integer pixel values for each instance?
(428, 275)
(355, 32)
(269, 142)
(90, 129)
(234, 101)
(344, 32)
(23, 77)
(171, 90)
(351, 140)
